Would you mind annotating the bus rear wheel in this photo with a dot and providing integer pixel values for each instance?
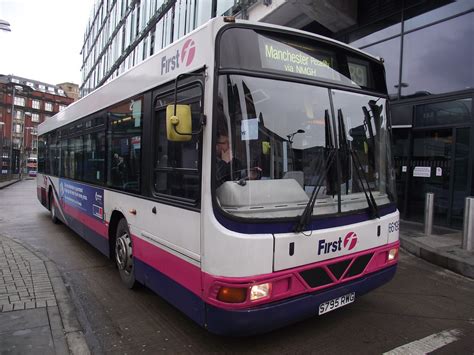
(124, 254)
(52, 208)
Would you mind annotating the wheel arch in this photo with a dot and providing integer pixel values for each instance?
(50, 193)
(114, 221)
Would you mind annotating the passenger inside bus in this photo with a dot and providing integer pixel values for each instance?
(118, 170)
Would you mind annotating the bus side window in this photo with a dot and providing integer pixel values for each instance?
(124, 145)
(176, 164)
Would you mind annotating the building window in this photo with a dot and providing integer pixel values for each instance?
(439, 113)
(34, 117)
(48, 106)
(35, 104)
(19, 101)
(431, 68)
(62, 107)
(18, 115)
(17, 128)
(42, 87)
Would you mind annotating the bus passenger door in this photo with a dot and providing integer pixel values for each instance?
(170, 224)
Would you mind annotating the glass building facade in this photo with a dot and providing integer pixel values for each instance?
(123, 33)
(429, 61)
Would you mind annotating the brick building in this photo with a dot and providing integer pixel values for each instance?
(28, 102)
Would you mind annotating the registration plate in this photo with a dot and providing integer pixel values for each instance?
(336, 303)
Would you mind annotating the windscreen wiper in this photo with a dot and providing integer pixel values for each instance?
(305, 217)
(373, 208)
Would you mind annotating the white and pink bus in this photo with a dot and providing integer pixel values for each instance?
(243, 173)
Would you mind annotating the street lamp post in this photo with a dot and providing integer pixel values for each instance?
(10, 155)
(14, 89)
(33, 134)
(1, 150)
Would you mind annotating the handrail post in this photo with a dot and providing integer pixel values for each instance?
(429, 207)
(468, 230)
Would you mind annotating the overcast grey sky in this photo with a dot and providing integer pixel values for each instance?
(45, 40)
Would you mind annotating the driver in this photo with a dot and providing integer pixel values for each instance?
(226, 163)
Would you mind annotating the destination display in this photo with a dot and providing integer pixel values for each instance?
(296, 58)
(299, 56)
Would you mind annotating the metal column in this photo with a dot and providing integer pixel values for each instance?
(429, 207)
(468, 231)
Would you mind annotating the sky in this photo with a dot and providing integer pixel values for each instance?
(45, 40)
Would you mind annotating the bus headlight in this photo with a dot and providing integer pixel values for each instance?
(260, 291)
(392, 254)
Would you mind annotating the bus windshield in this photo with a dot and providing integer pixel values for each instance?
(283, 148)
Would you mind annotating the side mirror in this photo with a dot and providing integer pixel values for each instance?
(266, 147)
(179, 125)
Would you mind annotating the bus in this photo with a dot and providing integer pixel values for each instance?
(243, 173)
(31, 166)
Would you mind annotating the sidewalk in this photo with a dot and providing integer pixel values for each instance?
(8, 183)
(443, 247)
(36, 315)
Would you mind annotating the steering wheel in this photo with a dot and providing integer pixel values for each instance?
(256, 174)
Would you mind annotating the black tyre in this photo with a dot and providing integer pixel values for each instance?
(52, 209)
(124, 254)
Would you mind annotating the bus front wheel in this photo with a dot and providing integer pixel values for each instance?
(124, 254)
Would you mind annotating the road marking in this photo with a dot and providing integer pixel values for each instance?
(428, 344)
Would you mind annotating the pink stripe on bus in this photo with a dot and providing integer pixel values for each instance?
(177, 269)
(91, 222)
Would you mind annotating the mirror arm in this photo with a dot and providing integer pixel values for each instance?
(203, 117)
(182, 75)
(203, 123)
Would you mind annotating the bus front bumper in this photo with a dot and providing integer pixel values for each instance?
(245, 322)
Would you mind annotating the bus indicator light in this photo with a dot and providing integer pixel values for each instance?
(232, 294)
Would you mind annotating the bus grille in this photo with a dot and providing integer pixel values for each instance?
(335, 272)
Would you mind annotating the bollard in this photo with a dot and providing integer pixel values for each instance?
(468, 230)
(429, 207)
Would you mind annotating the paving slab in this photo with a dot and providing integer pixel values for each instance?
(443, 247)
(36, 315)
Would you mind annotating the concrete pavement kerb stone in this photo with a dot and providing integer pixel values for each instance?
(29, 281)
(6, 183)
(442, 249)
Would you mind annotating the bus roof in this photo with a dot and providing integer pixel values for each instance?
(158, 69)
